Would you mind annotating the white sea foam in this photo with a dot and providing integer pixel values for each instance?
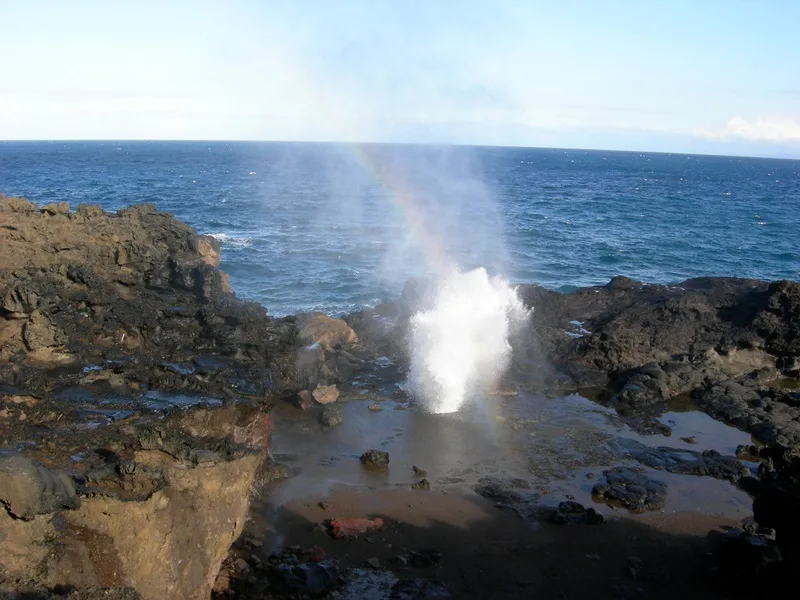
(460, 345)
(229, 240)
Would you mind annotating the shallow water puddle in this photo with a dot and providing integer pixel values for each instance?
(556, 449)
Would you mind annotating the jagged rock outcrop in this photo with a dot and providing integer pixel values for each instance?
(137, 289)
(134, 398)
(151, 504)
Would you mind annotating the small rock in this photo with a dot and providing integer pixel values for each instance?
(569, 513)
(425, 558)
(373, 563)
(375, 407)
(422, 484)
(689, 439)
(254, 561)
(28, 489)
(303, 400)
(241, 566)
(631, 488)
(325, 394)
(419, 472)
(332, 416)
(375, 458)
(309, 578)
(324, 505)
(353, 527)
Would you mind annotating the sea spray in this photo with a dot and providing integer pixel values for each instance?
(460, 345)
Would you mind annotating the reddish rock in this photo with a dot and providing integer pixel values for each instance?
(303, 400)
(353, 527)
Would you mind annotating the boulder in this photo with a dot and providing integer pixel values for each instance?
(28, 489)
(325, 394)
(330, 333)
(375, 458)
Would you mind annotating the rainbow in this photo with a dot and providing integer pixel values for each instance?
(405, 201)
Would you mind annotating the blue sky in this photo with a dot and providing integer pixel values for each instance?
(719, 76)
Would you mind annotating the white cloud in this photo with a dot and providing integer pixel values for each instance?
(760, 129)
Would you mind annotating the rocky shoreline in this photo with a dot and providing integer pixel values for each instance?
(136, 391)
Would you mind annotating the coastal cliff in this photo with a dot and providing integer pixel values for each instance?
(136, 389)
(134, 398)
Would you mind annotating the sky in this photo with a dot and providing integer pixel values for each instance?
(705, 76)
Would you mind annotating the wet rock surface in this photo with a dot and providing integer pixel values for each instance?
(572, 513)
(331, 416)
(631, 488)
(375, 458)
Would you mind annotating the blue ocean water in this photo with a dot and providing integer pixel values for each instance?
(327, 227)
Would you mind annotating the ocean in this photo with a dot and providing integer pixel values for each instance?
(336, 227)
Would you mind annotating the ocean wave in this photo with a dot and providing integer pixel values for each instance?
(229, 240)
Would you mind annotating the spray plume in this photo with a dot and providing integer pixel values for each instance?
(460, 347)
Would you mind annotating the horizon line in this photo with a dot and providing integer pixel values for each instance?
(393, 143)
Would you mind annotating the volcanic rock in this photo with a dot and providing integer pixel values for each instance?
(632, 489)
(353, 527)
(28, 489)
(375, 458)
(325, 394)
(570, 513)
(332, 416)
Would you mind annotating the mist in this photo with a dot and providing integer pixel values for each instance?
(406, 212)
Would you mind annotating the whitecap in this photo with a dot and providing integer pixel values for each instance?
(229, 240)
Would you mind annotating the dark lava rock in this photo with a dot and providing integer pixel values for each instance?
(750, 559)
(422, 484)
(507, 492)
(375, 458)
(641, 400)
(28, 489)
(775, 501)
(631, 488)
(332, 416)
(498, 490)
(136, 286)
(684, 462)
(311, 578)
(419, 589)
(571, 513)
(424, 558)
(771, 414)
